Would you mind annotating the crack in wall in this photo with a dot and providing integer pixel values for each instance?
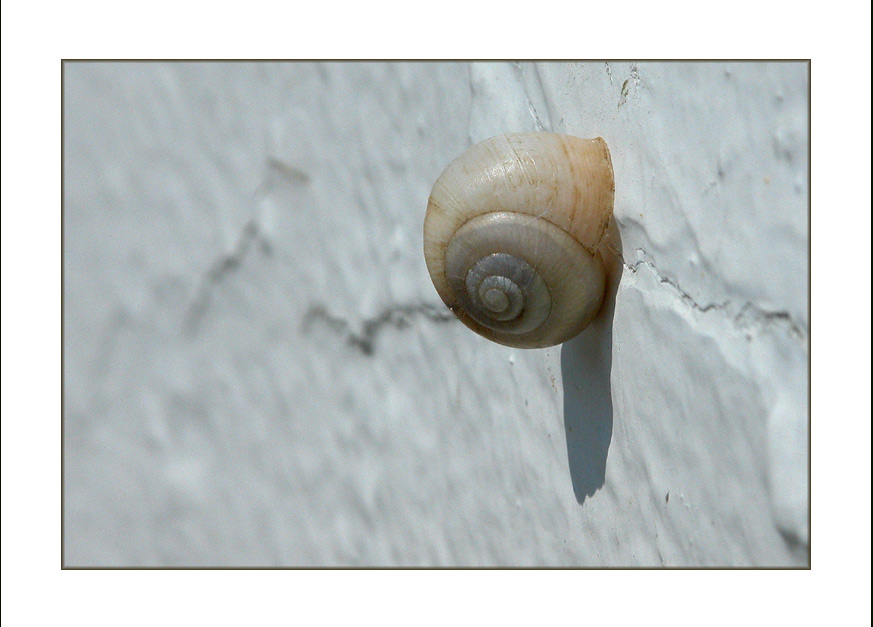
(747, 317)
(285, 170)
(752, 316)
(276, 171)
(364, 339)
(532, 109)
(224, 266)
(685, 296)
(633, 81)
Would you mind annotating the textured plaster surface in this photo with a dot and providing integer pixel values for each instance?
(258, 370)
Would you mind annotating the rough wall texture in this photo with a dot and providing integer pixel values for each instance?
(258, 370)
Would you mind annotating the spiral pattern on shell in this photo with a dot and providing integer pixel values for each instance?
(511, 236)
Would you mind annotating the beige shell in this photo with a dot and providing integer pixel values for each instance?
(511, 236)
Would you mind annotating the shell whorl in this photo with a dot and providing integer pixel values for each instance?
(511, 236)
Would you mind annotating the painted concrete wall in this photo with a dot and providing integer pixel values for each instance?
(258, 370)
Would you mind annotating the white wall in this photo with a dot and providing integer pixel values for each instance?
(258, 370)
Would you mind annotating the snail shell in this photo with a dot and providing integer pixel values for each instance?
(511, 236)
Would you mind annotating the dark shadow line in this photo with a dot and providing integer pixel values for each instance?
(586, 367)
